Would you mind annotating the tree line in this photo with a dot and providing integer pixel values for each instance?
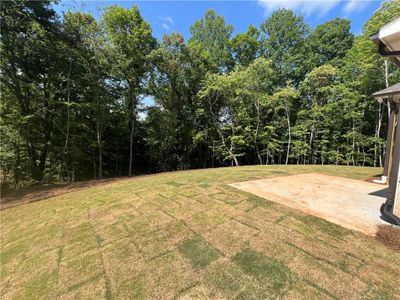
(73, 93)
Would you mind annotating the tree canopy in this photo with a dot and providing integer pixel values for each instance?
(90, 98)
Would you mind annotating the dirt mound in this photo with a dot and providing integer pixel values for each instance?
(389, 236)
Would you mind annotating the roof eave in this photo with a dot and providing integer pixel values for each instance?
(385, 50)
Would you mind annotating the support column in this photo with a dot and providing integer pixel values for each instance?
(389, 145)
(393, 191)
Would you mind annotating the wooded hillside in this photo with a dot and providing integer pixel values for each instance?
(73, 90)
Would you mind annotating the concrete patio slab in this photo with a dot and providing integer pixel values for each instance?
(353, 204)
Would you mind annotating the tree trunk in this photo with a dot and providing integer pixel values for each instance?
(259, 156)
(257, 105)
(131, 135)
(310, 159)
(68, 119)
(98, 125)
(235, 160)
(337, 156)
(116, 164)
(289, 136)
(17, 171)
(100, 152)
(353, 145)
(377, 135)
(36, 173)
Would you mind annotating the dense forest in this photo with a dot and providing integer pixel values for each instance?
(73, 90)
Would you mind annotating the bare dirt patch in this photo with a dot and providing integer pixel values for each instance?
(11, 197)
(353, 204)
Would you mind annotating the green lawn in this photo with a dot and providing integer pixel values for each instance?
(187, 235)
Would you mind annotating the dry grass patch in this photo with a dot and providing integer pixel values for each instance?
(321, 250)
(229, 280)
(308, 290)
(124, 267)
(258, 201)
(187, 235)
(94, 289)
(168, 275)
(256, 216)
(35, 287)
(79, 270)
(40, 273)
(229, 197)
(331, 278)
(389, 236)
(206, 221)
(176, 232)
(274, 233)
(121, 250)
(109, 233)
(153, 245)
(189, 191)
(200, 292)
(313, 226)
(379, 274)
(182, 208)
(132, 288)
(76, 245)
(230, 237)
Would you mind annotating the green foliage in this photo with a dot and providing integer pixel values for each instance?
(33, 63)
(73, 88)
(329, 42)
(284, 39)
(246, 46)
(212, 35)
(131, 41)
(388, 11)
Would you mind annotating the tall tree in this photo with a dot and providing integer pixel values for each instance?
(284, 101)
(317, 90)
(366, 71)
(131, 42)
(256, 82)
(284, 43)
(246, 46)
(213, 35)
(87, 83)
(33, 71)
(330, 41)
(175, 81)
(219, 99)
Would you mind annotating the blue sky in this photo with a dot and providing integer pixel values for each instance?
(169, 16)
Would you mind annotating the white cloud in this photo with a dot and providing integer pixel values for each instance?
(318, 8)
(167, 22)
(354, 5)
(306, 7)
